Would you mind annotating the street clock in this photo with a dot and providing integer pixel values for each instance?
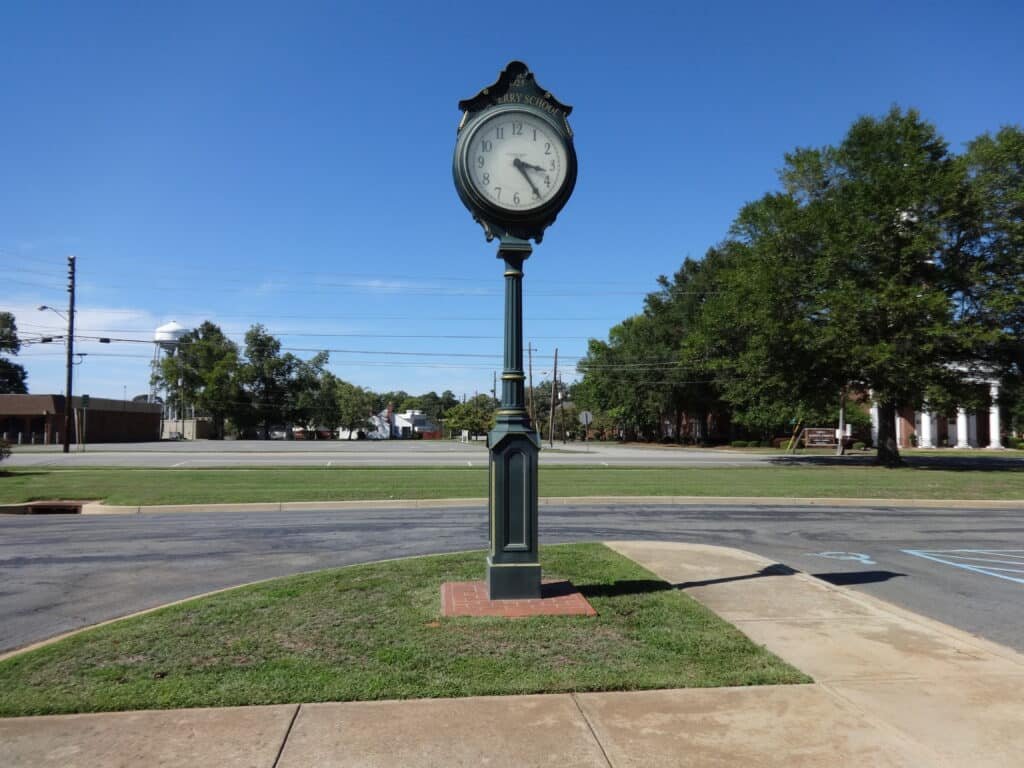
(514, 169)
(514, 163)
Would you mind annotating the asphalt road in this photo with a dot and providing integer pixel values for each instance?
(363, 453)
(408, 453)
(59, 573)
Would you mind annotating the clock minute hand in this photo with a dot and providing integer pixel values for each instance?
(521, 167)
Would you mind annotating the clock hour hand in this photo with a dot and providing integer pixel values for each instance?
(521, 167)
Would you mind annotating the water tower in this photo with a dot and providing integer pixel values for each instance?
(165, 342)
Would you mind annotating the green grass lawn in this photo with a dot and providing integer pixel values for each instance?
(193, 486)
(375, 632)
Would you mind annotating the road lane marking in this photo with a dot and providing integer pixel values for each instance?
(956, 558)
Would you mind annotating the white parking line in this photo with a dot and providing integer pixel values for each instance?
(967, 560)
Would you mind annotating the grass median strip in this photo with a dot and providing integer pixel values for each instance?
(375, 632)
(238, 485)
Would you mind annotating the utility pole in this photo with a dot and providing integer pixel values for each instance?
(554, 388)
(533, 413)
(71, 352)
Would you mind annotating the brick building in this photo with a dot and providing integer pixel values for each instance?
(39, 419)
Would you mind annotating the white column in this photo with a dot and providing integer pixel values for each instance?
(961, 428)
(874, 421)
(927, 437)
(994, 425)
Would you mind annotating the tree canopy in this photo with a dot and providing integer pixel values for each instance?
(264, 386)
(885, 264)
(13, 377)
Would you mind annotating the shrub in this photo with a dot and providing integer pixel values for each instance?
(858, 446)
(739, 443)
(754, 444)
(5, 449)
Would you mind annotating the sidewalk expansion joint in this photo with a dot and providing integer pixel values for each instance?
(287, 733)
(884, 725)
(590, 726)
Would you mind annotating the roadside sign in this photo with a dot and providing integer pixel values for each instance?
(817, 437)
(85, 401)
(586, 418)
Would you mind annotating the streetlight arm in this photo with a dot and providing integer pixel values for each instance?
(59, 314)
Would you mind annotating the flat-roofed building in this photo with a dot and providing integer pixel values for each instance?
(39, 419)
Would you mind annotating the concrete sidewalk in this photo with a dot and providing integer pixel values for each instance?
(892, 689)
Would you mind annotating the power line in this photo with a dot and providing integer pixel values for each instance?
(650, 364)
(304, 334)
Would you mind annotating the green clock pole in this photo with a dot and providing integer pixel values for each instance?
(513, 564)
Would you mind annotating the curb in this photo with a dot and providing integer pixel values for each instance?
(98, 508)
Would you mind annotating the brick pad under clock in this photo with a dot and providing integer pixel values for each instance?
(470, 598)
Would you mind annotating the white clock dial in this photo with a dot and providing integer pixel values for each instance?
(516, 161)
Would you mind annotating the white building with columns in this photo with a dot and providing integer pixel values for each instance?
(980, 429)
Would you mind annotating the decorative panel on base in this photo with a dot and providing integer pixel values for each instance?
(513, 581)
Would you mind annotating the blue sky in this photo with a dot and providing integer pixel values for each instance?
(290, 163)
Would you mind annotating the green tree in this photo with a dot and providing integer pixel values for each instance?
(643, 377)
(307, 390)
(684, 380)
(758, 329)
(324, 407)
(355, 406)
(204, 371)
(847, 278)
(621, 378)
(887, 207)
(475, 415)
(433, 405)
(13, 377)
(266, 374)
(993, 291)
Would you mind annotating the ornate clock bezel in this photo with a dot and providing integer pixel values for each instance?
(515, 91)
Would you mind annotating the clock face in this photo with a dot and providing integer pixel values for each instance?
(516, 161)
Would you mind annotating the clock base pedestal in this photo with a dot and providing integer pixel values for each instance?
(513, 581)
(513, 567)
